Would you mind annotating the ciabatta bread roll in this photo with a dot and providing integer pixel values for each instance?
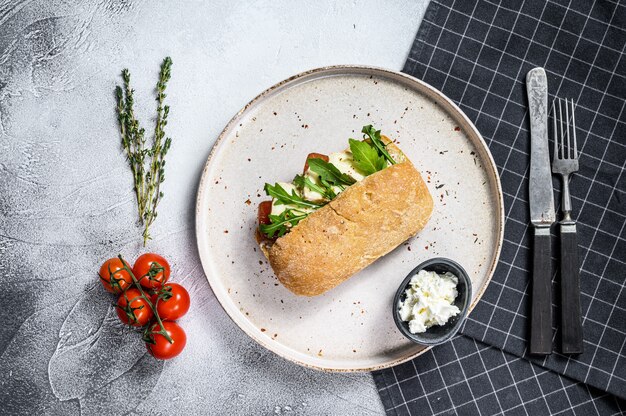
(364, 222)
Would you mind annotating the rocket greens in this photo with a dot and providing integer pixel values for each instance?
(369, 156)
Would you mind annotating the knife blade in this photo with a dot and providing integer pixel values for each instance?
(541, 197)
(542, 214)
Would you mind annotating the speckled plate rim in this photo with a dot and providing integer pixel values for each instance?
(337, 70)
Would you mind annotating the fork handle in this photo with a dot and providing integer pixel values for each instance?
(541, 309)
(571, 322)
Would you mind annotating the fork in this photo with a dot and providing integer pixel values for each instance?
(564, 163)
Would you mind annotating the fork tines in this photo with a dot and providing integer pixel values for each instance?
(566, 126)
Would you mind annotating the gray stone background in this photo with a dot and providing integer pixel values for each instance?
(66, 202)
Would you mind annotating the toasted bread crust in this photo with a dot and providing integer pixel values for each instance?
(365, 222)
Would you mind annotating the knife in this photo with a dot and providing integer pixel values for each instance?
(542, 214)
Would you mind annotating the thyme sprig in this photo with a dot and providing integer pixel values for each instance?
(147, 164)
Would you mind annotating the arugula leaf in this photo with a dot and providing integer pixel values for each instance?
(282, 223)
(330, 185)
(283, 197)
(366, 157)
(303, 182)
(374, 136)
(329, 174)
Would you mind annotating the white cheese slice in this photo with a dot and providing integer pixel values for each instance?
(308, 194)
(344, 162)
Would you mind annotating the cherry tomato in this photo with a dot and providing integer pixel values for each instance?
(314, 156)
(113, 276)
(265, 208)
(132, 309)
(151, 270)
(172, 301)
(160, 347)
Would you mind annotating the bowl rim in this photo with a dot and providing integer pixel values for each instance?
(462, 274)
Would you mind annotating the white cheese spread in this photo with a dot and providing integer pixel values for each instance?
(429, 300)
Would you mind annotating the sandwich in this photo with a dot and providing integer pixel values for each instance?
(346, 210)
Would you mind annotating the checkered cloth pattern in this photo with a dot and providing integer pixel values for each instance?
(468, 377)
(478, 54)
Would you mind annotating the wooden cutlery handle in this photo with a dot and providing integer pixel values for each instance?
(571, 322)
(541, 310)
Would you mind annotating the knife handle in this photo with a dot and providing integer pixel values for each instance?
(571, 322)
(541, 310)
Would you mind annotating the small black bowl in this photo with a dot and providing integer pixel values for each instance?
(436, 334)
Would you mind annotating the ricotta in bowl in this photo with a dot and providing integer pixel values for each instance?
(429, 300)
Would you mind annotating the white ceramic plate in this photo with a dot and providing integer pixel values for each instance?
(349, 328)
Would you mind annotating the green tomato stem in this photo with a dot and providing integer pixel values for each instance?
(147, 299)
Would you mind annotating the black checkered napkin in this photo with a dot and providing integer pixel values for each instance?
(467, 377)
(478, 53)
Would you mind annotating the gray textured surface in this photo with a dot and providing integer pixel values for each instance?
(66, 201)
